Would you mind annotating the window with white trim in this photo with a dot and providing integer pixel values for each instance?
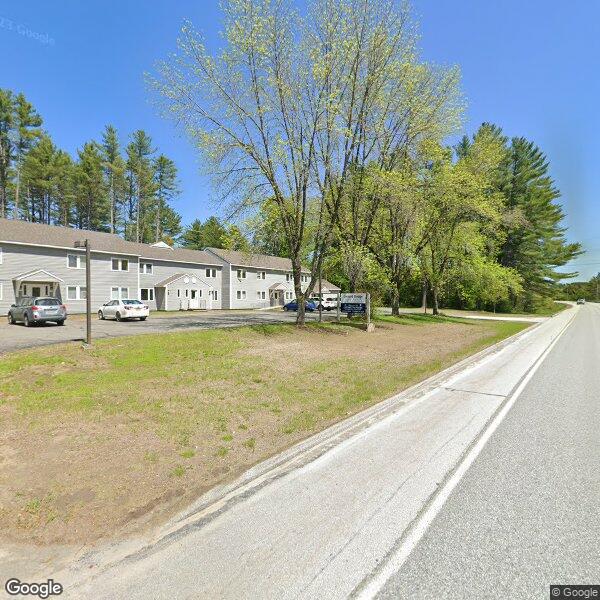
(119, 264)
(261, 275)
(241, 294)
(119, 293)
(74, 261)
(145, 268)
(288, 295)
(147, 294)
(288, 276)
(76, 292)
(211, 273)
(0, 281)
(304, 278)
(241, 273)
(0, 255)
(261, 295)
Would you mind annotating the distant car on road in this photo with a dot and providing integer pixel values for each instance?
(124, 309)
(309, 306)
(30, 310)
(581, 301)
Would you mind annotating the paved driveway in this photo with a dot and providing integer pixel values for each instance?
(15, 337)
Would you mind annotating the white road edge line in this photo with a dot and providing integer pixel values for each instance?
(395, 561)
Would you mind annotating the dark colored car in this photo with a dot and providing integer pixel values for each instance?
(309, 306)
(30, 311)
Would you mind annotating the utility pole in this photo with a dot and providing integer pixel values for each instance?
(88, 287)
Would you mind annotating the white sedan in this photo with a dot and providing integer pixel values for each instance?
(124, 309)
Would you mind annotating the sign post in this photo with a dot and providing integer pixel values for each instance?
(357, 304)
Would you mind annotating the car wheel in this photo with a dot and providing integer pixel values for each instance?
(11, 321)
(119, 316)
(61, 322)
(26, 321)
(143, 318)
(101, 315)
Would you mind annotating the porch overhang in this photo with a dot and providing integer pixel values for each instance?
(39, 275)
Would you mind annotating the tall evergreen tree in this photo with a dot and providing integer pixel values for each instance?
(166, 188)
(92, 207)
(38, 180)
(210, 234)
(6, 147)
(141, 183)
(114, 172)
(535, 242)
(27, 124)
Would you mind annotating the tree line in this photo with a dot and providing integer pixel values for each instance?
(106, 187)
(588, 290)
(328, 130)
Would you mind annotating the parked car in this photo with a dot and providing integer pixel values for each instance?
(124, 309)
(328, 302)
(31, 310)
(581, 301)
(309, 306)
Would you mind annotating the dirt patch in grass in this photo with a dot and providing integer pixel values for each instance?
(105, 442)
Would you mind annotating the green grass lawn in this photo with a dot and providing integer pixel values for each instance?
(104, 435)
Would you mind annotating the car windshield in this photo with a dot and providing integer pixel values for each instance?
(47, 302)
(131, 302)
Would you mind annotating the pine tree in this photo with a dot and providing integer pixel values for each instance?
(210, 234)
(535, 238)
(166, 188)
(27, 124)
(141, 182)
(114, 172)
(91, 205)
(6, 147)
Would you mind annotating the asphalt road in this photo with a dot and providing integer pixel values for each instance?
(322, 519)
(16, 337)
(527, 513)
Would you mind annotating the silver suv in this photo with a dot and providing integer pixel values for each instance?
(37, 310)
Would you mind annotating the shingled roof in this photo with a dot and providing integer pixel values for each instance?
(12, 230)
(255, 260)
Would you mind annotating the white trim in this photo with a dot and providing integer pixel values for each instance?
(78, 289)
(150, 291)
(190, 275)
(120, 269)
(78, 257)
(1, 291)
(119, 289)
(144, 264)
(1, 255)
(31, 273)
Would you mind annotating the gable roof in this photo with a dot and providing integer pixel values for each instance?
(254, 260)
(176, 276)
(326, 286)
(38, 234)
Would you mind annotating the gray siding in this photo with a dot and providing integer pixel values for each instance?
(162, 269)
(18, 259)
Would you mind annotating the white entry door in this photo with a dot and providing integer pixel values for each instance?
(194, 300)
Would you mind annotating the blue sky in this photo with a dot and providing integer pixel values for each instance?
(528, 66)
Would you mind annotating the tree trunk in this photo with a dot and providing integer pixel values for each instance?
(396, 301)
(17, 191)
(424, 296)
(434, 293)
